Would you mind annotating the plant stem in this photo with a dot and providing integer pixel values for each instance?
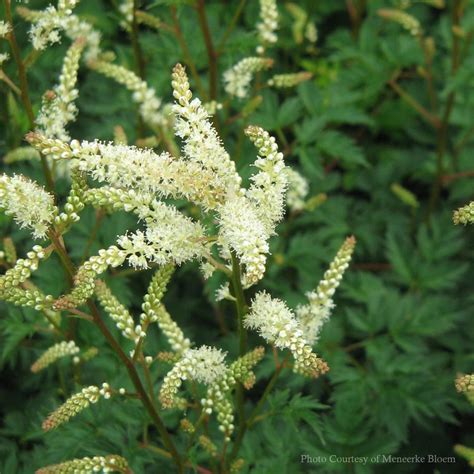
(241, 308)
(211, 52)
(132, 372)
(255, 411)
(410, 100)
(25, 97)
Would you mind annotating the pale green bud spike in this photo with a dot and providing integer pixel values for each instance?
(58, 351)
(75, 404)
(23, 268)
(117, 311)
(110, 463)
(10, 250)
(313, 315)
(75, 202)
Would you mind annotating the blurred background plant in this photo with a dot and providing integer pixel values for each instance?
(379, 122)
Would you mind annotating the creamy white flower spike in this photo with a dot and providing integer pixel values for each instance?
(204, 365)
(268, 23)
(277, 324)
(16, 194)
(202, 145)
(298, 188)
(313, 315)
(241, 229)
(144, 96)
(268, 189)
(237, 79)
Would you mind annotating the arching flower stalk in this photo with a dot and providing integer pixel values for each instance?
(58, 351)
(75, 404)
(313, 315)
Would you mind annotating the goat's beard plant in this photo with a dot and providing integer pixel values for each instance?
(231, 237)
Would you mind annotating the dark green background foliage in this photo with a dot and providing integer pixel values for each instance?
(402, 328)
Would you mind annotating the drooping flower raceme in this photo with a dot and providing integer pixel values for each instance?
(277, 324)
(237, 79)
(313, 315)
(16, 200)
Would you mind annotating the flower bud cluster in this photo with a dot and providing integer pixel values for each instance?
(204, 365)
(52, 147)
(16, 200)
(313, 315)
(464, 215)
(237, 79)
(297, 190)
(466, 453)
(409, 22)
(75, 202)
(276, 323)
(31, 298)
(218, 396)
(111, 463)
(208, 445)
(283, 81)
(117, 311)
(154, 311)
(241, 369)
(268, 23)
(58, 106)
(23, 268)
(144, 96)
(84, 280)
(465, 384)
(59, 350)
(5, 29)
(75, 404)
